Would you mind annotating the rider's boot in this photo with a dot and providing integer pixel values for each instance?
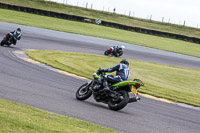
(105, 85)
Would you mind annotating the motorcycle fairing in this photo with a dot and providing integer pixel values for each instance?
(124, 83)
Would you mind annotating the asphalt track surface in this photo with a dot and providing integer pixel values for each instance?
(29, 84)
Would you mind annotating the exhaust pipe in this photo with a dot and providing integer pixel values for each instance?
(134, 99)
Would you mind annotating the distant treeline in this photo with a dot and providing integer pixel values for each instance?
(104, 23)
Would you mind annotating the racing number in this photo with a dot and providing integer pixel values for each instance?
(133, 90)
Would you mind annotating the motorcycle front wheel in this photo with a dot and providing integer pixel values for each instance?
(106, 52)
(120, 102)
(3, 42)
(83, 92)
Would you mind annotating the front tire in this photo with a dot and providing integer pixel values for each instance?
(3, 42)
(106, 52)
(83, 92)
(121, 103)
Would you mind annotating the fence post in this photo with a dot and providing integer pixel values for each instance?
(169, 20)
(86, 5)
(162, 19)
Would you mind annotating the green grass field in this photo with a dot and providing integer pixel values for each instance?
(100, 31)
(165, 81)
(16, 118)
(121, 19)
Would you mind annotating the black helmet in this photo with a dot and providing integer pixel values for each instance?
(18, 29)
(124, 61)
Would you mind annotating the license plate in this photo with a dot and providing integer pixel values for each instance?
(134, 91)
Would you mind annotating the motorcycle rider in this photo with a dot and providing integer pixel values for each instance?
(122, 47)
(122, 74)
(16, 35)
(114, 49)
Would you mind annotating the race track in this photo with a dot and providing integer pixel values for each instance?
(29, 84)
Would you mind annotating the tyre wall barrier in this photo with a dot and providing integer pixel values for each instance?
(104, 23)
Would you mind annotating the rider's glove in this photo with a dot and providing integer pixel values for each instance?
(117, 77)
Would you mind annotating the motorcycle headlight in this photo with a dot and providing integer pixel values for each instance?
(94, 74)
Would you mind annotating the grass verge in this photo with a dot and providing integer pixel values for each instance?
(111, 17)
(16, 118)
(100, 31)
(174, 83)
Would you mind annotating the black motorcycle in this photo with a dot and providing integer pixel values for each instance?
(9, 39)
(118, 95)
(117, 52)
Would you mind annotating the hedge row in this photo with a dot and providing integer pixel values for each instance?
(110, 24)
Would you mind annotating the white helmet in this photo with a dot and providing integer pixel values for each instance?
(122, 46)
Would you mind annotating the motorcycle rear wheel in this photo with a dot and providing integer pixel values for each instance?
(116, 55)
(120, 104)
(83, 92)
(120, 53)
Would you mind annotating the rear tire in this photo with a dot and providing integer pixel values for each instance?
(121, 53)
(83, 92)
(120, 104)
(117, 55)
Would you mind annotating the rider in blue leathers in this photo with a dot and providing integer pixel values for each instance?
(122, 73)
(16, 35)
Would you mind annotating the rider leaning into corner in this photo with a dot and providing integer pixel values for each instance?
(115, 48)
(17, 35)
(122, 74)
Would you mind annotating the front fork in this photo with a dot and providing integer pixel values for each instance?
(8, 38)
(91, 84)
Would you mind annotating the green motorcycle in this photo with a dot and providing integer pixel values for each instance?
(119, 95)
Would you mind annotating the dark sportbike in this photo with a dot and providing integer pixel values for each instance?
(116, 52)
(119, 95)
(8, 39)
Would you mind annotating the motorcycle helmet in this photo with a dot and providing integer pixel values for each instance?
(122, 47)
(124, 61)
(111, 49)
(19, 29)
